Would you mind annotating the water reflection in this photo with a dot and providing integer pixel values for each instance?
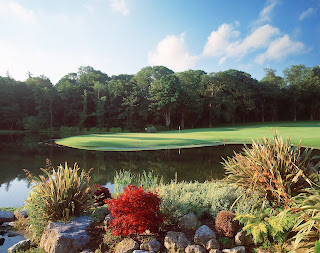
(28, 151)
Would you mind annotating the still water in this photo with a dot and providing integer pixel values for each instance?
(30, 151)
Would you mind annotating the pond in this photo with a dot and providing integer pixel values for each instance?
(30, 151)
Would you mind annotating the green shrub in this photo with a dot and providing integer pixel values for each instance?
(151, 129)
(31, 123)
(63, 192)
(317, 247)
(115, 130)
(274, 169)
(95, 130)
(209, 198)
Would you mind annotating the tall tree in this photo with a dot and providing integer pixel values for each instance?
(164, 95)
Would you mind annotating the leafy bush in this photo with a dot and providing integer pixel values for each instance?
(115, 130)
(308, 217)
(151, 129)
(62, 192)
(262, 227)
(225, 225)
(31, 123)
(317, 247)
(209, 198)
(134, 211)
(101, 194)
(274, 169)
(68, 129)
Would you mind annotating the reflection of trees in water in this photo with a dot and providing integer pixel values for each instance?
(21, 151)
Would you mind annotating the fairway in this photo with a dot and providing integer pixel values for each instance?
(307, 131)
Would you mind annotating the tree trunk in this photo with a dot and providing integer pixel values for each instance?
(210, 115)
(51, 114)
(182, 119)
(295, 113)
(262, 113)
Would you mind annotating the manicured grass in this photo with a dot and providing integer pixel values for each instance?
(308, 131)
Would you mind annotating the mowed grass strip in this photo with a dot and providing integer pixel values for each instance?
(307, 131)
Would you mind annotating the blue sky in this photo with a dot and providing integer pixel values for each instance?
(54, 38)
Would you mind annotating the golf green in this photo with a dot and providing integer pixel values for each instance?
(307, 131)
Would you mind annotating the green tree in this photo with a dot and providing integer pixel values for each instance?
(164, 95)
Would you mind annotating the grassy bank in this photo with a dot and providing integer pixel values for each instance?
(308, 131)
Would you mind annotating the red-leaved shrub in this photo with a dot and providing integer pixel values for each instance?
(134, 212)
(101, 194)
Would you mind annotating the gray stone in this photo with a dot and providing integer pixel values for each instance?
(212, 244)
(22, 245)
(86, 251)
(11, 234)
(175, 242)
(141, 251)
(6, 216)
(215, 251)
(239, 249)
(153, 245)
(242, 238)
(189, 220)
(127, 245)
(107, 219)
(66, 238)
(8, 224)
(195, 249)
(203, 235)
(21, 214)
(1, 240)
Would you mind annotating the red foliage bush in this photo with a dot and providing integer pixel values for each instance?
(225, 225)
(101, 194)
(134, 212)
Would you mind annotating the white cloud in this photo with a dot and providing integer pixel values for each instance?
(120, 6)
(219, 40)
(172, 53)
(90, 9)
(280, 49)
(12, 9)
(265, 14)
(307, 13)
(219, 43)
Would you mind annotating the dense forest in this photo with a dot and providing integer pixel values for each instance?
(158, 96)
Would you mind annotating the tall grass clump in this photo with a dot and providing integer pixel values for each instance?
(59, 194)
(274, 169)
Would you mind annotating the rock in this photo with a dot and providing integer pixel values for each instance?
(66, 238)
(22, 245)
(86, 251)
(107, 219)
(195, 249)
(215, 251)
(153, 245)
(203, 235)
(21, 214)
(212, 244)
(1, 240)
(242, 238)
(8, 224)
(127, 245)
(141, 251)
(11, 234)
(189, 220)
(239, 249)
(175, 242)
(6, 216)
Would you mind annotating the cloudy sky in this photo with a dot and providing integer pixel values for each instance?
(53, 38)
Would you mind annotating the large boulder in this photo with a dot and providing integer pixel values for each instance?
(153, 245)
(66, 238)
(127, 245)
(195, 249)
(203, 235)
(175, 242)
(20, 246)
(212, 244)
(6, 216)
(189, 220)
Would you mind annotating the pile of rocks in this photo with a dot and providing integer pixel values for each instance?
(204, 240)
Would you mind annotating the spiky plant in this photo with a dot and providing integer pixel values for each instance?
(275, 169)
(63, 192)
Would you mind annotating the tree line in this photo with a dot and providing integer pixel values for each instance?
(158, 96)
